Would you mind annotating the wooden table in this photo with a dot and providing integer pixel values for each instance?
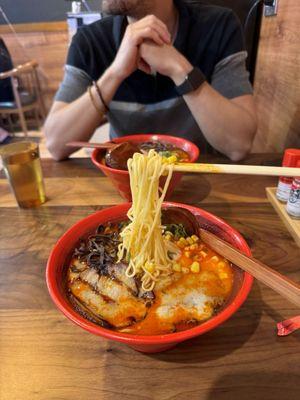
(44, 356)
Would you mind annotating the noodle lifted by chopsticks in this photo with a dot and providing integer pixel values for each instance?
(142, 240)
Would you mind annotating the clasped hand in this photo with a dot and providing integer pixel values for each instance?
(147, 46)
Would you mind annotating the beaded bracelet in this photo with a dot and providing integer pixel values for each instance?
(100, 95)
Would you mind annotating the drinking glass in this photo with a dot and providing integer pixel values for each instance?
(22, 166)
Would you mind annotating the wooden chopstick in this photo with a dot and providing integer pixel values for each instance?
(91, 145)
(271, 278)
(236, 169)
(210, 168)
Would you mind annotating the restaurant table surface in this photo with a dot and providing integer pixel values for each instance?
(45, 356)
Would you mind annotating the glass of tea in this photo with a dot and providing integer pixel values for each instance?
(22, 166)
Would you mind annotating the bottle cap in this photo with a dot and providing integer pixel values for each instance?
(291, 157)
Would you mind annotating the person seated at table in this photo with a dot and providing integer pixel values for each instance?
(6, 91)
(157, 66)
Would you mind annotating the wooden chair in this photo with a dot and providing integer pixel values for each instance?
(27, 95)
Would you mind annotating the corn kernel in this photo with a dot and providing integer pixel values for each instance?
(223, 275)
(187, 254)
(189, 240)
(194, 247)
(183, 240)
(172, 159)
(185, 270)
(167, 237)
(195, 238)
(214, 259)
(195, 267)
(203, 254)
(221, 264)
(180, 244)
(177, 267)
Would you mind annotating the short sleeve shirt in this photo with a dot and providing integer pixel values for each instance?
(210, 37)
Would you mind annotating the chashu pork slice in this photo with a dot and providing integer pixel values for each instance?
(118, 271)
(186, 301)
(110, 299)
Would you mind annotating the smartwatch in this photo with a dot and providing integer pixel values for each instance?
(192, 82)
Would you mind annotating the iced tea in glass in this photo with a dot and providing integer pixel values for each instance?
(22, 166)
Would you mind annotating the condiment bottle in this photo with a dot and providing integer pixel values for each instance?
(290, 159)
(293, 205)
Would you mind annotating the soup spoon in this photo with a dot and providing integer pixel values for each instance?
(117, 153)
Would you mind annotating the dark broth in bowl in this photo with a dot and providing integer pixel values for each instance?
(101, 290)
(168, 151)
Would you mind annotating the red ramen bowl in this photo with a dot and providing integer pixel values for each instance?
(60, 258)
(120, 179)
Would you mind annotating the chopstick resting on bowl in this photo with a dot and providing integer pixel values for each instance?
(236, 169)
(206, 168)
(108, 145)
(271, 278)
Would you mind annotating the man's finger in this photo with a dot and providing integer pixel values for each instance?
(143, 66)
(148, 33)
(155, 26)
(164, 33)
(152, 19)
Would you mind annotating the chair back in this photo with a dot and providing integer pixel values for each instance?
(26, 90)
(23, 78)
(25, 82)
(250, 14)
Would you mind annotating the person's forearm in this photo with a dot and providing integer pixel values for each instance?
(227, 126)
(79, 119)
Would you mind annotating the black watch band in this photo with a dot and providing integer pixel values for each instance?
(192, 82)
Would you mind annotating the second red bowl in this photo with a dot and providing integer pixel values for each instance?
(120, 179)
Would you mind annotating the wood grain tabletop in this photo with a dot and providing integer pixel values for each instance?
(43, 356)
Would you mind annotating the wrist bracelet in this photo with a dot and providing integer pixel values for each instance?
(100, 96)
(94, 101)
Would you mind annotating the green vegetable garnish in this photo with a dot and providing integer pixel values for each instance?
(178, 230)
